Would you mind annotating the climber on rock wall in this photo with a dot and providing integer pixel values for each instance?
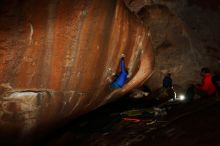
(120, 79)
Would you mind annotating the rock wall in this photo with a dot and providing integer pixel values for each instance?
(185, 37)
(57, 56)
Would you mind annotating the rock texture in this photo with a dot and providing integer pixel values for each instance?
(56, 57)
(185, 37)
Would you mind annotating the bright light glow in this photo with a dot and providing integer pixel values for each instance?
(181, 97)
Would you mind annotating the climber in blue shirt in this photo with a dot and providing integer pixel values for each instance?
(120, 79)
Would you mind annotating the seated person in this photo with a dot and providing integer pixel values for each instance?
(167, 89)
(166, 92)
(120, 79)
(216, 82)
(190, 92)
(206, 88)
(216, 79)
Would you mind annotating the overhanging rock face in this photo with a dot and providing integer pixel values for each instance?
(56, 57)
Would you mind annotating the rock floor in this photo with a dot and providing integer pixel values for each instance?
(183, 124)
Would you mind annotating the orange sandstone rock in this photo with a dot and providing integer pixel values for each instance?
(56, 57)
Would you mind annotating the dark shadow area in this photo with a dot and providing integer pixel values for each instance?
(130, 122)
(106, 125)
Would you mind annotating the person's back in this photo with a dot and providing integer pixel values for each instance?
(121, 78)
(167, 81)
(166, 92)
(216, 79)
(207, 86)
(190, 92)
(216, 82)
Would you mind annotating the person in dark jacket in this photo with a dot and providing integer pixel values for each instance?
(167, 81)
(166, 92)
(216, 80)
(190, 93)
(120, 79)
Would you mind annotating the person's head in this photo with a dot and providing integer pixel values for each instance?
(168, 74)
(204, 71)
